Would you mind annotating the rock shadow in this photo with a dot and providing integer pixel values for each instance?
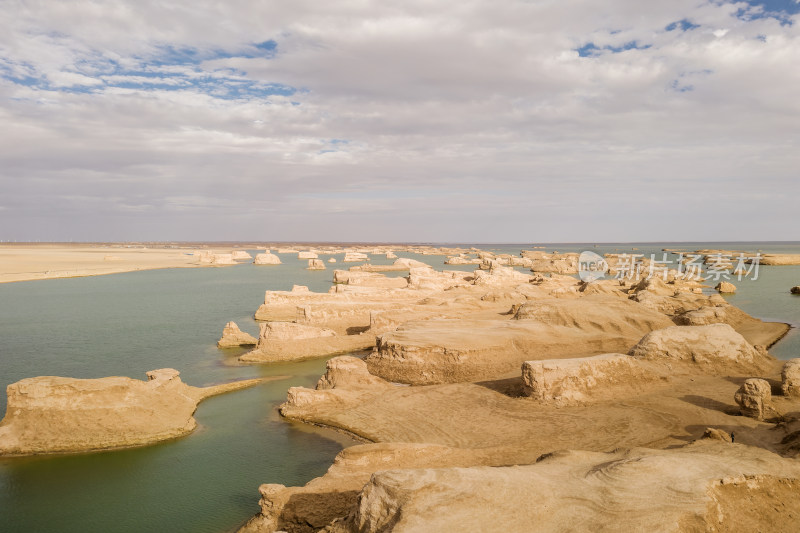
(711, 404)
(512, 387)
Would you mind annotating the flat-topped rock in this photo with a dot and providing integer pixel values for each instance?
(291, 331)
(50, 414)
(716, 346)
(316, 264)
(232, 337)
(307, 255)
(780, 259)
(241, 255)
(575, 381)
(702, 487)
(469, 349)
(355, 257)
(368, 279)
(267, 259)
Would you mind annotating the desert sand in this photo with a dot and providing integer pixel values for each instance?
(43, 261)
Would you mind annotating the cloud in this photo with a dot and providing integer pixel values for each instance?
(360, 120)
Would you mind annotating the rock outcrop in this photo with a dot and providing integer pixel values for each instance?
(316, 264)
(700, 487)
(795, 289)
(780, 259)
(267, 259)
(716, 347)
(790, 378)
(50, 414)
(232, 337)
(282, 331)
(755, 399)
(725, 287)
(240, 255)
(576, 381)
(368, 279)
(469, 349)
(355, 257)
(307, 255)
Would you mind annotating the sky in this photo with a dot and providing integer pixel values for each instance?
(417, 121)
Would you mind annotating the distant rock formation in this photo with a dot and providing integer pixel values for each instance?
(332, 260)
(207, 257)
(50, 414)
(316, 264)
(368, 279)
(355, 257)
(241, 255)
(780, 259)
(267, 258)
(307, 255)
(461, 260)
(232, 337)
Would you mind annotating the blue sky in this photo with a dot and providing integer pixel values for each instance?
(454, 121)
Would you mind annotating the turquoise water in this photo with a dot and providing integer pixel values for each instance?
(127, 324)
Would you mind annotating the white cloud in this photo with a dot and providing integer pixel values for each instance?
(456, 113)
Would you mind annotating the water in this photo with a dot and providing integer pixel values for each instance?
(127, 324)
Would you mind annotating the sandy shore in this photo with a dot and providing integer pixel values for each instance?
(26, 262)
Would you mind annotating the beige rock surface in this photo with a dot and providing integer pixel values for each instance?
(355, 257)
(454, 334)
(755, 399)
(267, 259)
(695, 488)
(50, 414)
(241, 255)
(716, 346)
(725, 287)
(580, 380)
(316, 264)
(368, 279)
(469, 349)
(790, 378)
(780, 259)
(232, 337)
(307, 255)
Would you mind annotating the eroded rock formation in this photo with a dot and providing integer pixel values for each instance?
(232, 337)
(50, 414)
